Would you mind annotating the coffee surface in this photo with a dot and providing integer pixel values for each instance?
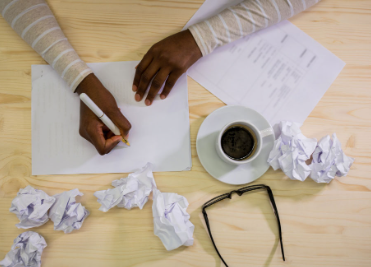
(238, 143)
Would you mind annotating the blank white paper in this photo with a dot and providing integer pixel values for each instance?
(280, 72)
(160, 133)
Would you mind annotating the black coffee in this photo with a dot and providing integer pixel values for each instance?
(238, 143)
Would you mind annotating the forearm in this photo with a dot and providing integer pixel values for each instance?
(243, 19)
(36, 24)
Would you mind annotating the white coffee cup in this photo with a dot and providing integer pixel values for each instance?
(258, 142)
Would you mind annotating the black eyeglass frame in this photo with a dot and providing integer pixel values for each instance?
(240, 192)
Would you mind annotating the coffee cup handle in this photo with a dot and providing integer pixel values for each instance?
(266, 132)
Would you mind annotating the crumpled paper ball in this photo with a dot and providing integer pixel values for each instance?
(66, 214)
(171, 220)
(291, 151)
(31, 207)
(129, 192)
(329, 160)
(109, 198)
(26, 251)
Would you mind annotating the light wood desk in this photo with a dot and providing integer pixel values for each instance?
(323, 225)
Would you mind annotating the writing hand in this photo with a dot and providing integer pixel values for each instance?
(91, 127)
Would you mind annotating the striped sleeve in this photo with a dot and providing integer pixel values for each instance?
(243, 19)
(35, 23)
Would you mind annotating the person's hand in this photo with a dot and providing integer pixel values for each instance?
(165, 61)
(91, 127)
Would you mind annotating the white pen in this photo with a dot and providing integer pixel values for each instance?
(103, 117)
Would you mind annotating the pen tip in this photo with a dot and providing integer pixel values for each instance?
(126, 142)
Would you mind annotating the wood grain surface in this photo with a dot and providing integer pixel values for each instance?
(323, 225)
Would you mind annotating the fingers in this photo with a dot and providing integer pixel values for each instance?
(173, 77)
(107, 132)
(145, 80)
(140, 69)
(96, 136)
(111, 143)
(156, 85)
(121, 122)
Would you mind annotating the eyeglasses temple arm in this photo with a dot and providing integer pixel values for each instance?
(211, 236)
(271, 197)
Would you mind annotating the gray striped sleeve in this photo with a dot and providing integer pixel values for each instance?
(245, 18)
(35, 23)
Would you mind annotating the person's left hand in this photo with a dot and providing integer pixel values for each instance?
(165, 61)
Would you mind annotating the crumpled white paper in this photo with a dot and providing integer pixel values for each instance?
(31, 207)
(129, 192)
(66, 214)
(26, 251)
(291, 150)
(171, 220)
(329, 160)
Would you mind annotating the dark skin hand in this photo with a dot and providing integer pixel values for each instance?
(166, 61)
(91, 127)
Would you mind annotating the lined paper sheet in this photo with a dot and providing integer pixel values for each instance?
(160, 133)
(280, 72)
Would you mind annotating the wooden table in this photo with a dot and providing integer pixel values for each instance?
(323, 225)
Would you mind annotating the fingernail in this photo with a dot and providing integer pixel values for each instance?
(137, 97)
(148, 102)
(162, 96)
(135, 88)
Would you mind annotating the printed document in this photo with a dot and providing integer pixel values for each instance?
(280, 72)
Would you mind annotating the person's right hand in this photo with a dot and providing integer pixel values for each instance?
(91, 127)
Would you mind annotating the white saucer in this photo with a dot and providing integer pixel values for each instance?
(206, 150)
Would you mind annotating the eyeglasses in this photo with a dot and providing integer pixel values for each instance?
(240, 192)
